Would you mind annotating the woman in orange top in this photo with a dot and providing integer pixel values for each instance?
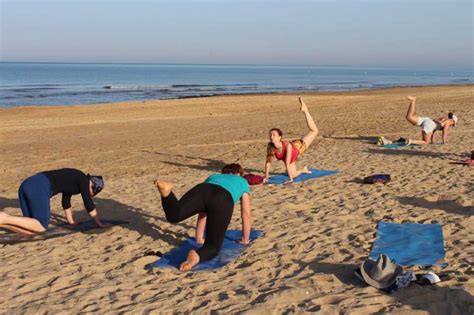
(288, 152)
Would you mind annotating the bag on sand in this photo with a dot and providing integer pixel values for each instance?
(377, 179)
(253, 179)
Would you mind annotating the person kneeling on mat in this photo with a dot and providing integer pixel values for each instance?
(214, 201)
(289, 151)
(36, 191)
(428, 125)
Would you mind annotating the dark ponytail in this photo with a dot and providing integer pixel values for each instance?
(234, 168)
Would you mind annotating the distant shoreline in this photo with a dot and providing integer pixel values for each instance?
(306, 92)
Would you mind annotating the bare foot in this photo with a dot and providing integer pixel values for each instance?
(303, 105)
(306, 170)
(191, 261)
(411, 98)
(163, 187)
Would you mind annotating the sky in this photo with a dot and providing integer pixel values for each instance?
(411, 33)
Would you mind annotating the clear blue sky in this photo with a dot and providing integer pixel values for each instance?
(431, 33)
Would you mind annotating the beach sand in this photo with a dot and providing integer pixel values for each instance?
(316, 232)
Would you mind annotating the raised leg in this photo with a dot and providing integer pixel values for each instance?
(313, 129)
(178, 210)
(411, 115)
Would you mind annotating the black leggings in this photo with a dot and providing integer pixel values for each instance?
(211, 199)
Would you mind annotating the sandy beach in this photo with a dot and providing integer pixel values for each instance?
(316, 232)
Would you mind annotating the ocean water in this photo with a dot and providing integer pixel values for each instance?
(23, 84)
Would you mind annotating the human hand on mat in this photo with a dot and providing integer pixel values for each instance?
(103, 225)
(97, 220)
(243, 242)
(76, 222)
(70, 217)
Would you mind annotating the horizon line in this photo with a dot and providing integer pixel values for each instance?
(235, 64)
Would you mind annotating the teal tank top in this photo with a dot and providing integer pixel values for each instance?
(236, 185)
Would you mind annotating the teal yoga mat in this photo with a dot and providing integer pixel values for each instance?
(403, 145)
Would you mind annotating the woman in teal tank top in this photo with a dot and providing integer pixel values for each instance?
(214, 202)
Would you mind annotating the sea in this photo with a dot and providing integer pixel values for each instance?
(27, 84)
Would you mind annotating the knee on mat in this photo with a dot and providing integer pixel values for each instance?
(44, 222)
(208, 252)
(214, 252)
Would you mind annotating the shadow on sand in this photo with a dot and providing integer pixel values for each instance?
(365, 139)
(210, 164)
(343, 272)
(434, 299)
(450, 206)
(409, 152)
(109, 209)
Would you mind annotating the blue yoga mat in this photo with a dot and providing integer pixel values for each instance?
(230, 251)
(410, 243)
(282, 178)
(403, 145)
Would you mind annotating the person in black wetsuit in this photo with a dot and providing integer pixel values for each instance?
(35, 193)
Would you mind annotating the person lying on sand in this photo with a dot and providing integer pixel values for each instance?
(289, 151)
(214, 202)
(429, 126)
(36, 191)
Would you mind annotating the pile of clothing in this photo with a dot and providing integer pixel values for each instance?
(386, 275)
